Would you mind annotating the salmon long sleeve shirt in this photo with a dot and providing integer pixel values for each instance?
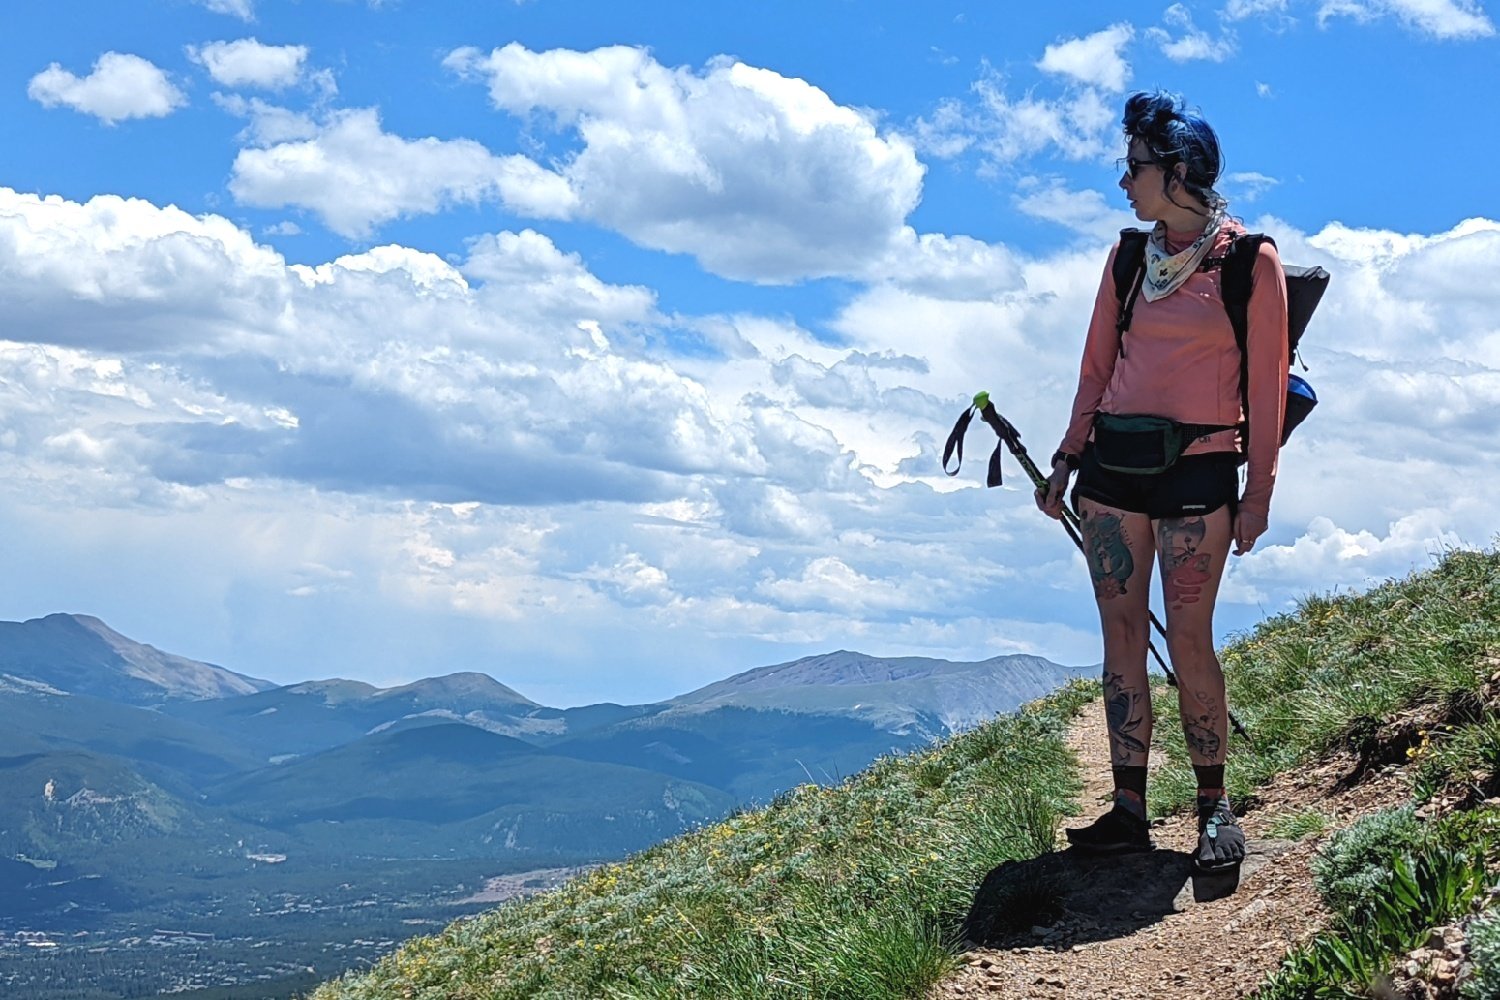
(1180, 360)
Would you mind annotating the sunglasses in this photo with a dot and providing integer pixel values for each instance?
(1131, 164)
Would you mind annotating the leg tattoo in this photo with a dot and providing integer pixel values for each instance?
(1184, 569)
(1108, 553)
(1125, 711)
(1202, 739)
(1202, 729)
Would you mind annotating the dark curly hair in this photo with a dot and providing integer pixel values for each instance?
(1176, 135)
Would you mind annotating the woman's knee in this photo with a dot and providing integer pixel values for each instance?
(1190, 642)
(1124, 632)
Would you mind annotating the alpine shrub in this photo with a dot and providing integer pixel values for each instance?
(1349, 959)
(1484, 952)
(1354, 869)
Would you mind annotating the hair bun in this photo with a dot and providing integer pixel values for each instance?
(1175, 135)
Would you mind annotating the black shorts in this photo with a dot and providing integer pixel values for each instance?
(1195, 485)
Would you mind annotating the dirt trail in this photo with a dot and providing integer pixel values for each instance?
(1140, 926)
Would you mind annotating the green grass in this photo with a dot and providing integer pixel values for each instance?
(852, 891)
(859, 890)
(1298, 825)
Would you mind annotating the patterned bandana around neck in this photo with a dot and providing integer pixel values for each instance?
(1165, 272)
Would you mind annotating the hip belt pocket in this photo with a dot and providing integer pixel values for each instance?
(1140, 444)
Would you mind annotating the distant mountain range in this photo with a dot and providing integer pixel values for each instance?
(82, 655)
(106, 743)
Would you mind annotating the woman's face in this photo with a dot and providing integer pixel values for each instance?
(1142, 183)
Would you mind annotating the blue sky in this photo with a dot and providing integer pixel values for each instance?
(608, 348)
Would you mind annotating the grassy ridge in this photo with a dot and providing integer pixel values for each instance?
(1340, 666)
(853, 891)
(858, 891)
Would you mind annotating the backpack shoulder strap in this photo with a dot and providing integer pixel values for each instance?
(1128, 271)
(1236, 283)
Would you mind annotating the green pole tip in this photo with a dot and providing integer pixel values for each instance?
(981, 399)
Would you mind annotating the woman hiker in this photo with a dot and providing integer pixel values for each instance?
(1177, 359)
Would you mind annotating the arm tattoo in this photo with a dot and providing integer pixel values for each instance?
(1184, 570)
(1108, 553)
(1123, 712)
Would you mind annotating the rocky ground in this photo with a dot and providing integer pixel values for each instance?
(1140, 926)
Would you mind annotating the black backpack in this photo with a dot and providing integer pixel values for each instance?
(1304, 290)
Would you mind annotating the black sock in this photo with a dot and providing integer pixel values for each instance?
(1210, 780)
(1131, 781)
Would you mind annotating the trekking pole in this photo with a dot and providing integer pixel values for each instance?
(1010, 439)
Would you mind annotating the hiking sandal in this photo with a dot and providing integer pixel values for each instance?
(1118, 831)
(1221, 842)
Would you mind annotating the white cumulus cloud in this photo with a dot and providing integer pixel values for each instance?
(269, 124)
(394, 367)
(1327, 557)
(121, 86)
(1248, 184)
(1189, 42)
(540, 279)
(1443, 19)
(1239, 10)
(355, 176)
(1094, 59)
(503, 445)
(828, 582)
(1079, 124)
(1086, 211)
(242, 9)
(246, 62)
(759, 176)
